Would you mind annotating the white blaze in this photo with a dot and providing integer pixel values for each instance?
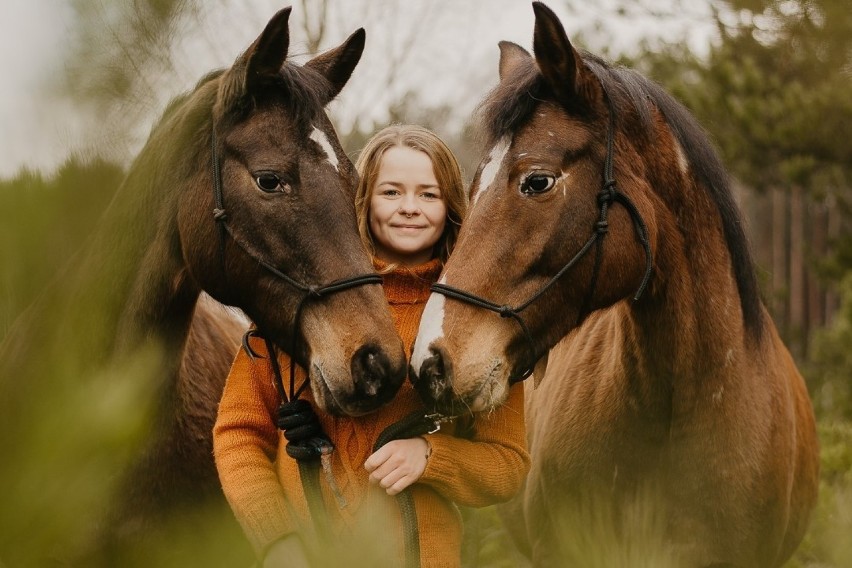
(489, 172)
(320, 138)
(431, 328)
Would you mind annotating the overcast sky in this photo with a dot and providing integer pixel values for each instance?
(451, 48)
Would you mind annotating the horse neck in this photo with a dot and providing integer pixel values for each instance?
(159, 294)
(132, 269)
(691, 321)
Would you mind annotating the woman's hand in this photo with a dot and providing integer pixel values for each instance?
(398, 464)
(286, 553)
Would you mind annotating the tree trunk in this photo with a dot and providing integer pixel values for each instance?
(798, 298)
(817, 250)
(780, 291)
(832, 300)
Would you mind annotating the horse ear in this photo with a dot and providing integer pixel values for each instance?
(512, 56)
(558, 61)
(337, 64)
(264, 58)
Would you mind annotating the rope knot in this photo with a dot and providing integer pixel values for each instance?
(602, 227)
(220, 214)
(303, 431)
(607, 194)
(506, 311)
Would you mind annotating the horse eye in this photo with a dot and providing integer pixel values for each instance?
(537, 183)
(268, 182)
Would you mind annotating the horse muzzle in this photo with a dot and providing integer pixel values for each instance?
(371, 381)
(439, 383)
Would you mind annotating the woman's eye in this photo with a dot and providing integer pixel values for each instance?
(537, 183)
(268, 182)
(429, 195)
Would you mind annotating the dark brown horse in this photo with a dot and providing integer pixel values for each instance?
(670, 427)
(243, 192)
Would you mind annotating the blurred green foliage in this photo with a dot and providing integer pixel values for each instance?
(43, 223)
(830, 367)
(773, 92)
(67, 428)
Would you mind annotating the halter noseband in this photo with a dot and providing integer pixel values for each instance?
(608, 195)
(308, 291)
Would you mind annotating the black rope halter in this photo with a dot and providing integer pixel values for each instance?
(292, 414)
(608, 195)
(306, 440)
(309, 292)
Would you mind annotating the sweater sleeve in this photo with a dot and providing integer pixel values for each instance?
(245, 441)
(490, 467)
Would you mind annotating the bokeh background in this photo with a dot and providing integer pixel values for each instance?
(85, 80)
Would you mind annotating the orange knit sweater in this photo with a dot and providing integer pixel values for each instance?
(262, 483)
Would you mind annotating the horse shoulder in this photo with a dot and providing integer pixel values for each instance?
(802, 459)
(583, 386)
(213, 340)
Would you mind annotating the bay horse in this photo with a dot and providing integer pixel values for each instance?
(667, 422)
(242, 196)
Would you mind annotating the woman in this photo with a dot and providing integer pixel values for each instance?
(410, 202)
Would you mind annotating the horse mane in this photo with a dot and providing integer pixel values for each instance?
(511, 103)
(308, 92)
(178, 101)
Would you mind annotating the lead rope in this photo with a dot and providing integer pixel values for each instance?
(417, 423)
(307, 441)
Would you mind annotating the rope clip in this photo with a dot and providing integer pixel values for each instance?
(437, 419)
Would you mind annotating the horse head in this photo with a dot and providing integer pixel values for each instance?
(546, 216)
(269, 221)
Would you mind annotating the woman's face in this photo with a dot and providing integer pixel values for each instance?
(407, 210)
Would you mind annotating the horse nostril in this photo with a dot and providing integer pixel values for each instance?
(370, 370)
(433, 371)
(433, 382)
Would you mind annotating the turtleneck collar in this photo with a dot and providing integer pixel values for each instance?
(408, 284)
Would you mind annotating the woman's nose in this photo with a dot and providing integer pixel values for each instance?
(408, 206)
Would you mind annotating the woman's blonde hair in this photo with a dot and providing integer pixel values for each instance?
(444, 164)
